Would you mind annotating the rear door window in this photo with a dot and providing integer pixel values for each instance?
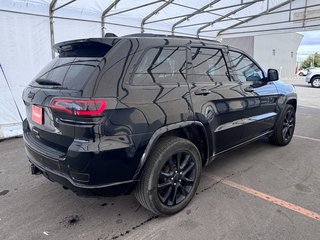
(209, 65)
(162, 65)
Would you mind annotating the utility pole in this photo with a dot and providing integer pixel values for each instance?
(313, 64)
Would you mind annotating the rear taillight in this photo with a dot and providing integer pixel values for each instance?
(79, 107)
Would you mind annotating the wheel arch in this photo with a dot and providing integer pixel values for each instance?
(193, 131)
(315, 76)
(293, 102)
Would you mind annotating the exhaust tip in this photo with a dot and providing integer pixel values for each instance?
(35, 170)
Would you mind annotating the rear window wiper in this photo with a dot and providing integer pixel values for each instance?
(42, 81)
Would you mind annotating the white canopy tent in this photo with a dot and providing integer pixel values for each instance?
(28, 29)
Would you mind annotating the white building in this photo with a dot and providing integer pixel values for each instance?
(277, 51)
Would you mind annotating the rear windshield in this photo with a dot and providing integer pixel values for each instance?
(73, 67)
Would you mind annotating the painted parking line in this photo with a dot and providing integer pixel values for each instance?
(308, 138)
(267, 197)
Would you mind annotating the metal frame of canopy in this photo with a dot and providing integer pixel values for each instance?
(243, 24)
(209, 18)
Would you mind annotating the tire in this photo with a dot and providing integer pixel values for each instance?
(301, 74)
(171, 191)
(284, 128)
(315, 82)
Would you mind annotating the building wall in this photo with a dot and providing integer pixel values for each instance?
(277, 51)
(244, 43)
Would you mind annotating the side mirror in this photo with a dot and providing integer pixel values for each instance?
(273, 75)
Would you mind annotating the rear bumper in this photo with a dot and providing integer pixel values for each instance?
(112, 189)
(104, 166)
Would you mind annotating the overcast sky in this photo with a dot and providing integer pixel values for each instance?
(309, 45)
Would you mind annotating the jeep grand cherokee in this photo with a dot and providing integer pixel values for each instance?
(146, 112)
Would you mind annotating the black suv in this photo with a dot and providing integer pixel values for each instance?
(146, 112)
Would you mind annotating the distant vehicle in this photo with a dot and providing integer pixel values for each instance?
(302, 72)
(146, 112)
(313, 77)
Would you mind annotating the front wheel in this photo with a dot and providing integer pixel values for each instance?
(315, 82)
(171, 176)
(284, 128)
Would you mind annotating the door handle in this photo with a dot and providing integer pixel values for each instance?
(249, 89)
(202, 91)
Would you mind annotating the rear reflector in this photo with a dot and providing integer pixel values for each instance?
(37, 114)
(79, 107)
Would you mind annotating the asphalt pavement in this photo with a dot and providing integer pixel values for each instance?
(260, 191)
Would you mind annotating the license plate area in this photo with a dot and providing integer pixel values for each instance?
(37, 114)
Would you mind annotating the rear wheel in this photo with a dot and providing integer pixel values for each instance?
(315, 82)
(284, 129)
(171, 176)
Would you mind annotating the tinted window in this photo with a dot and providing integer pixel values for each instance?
(208, 65)
(74, 66)
(244, 68)
(161, 65)
(68, 72)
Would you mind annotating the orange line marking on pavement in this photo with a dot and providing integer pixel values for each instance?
(268, 198)
(309, 138)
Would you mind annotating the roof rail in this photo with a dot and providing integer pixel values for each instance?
(168, 36)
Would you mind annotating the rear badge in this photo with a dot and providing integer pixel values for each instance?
(37, 114)
(31, 95)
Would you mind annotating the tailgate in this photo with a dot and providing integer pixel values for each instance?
(49, 130)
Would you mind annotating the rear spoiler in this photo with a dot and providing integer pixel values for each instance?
(92, 47)
(107, 41)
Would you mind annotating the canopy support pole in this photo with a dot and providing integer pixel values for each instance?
(290, 10)
(255, 16)
(135, 8)
(200, 10)
(226, 15)
(153, 13)
(104, 13)
(63, 5)
(305, 13)
(209, 11)
(51, 11)
(244, 21)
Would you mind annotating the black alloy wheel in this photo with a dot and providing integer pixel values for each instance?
(171, 176)
(176, 178)
(288, 125)
(284, 128)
